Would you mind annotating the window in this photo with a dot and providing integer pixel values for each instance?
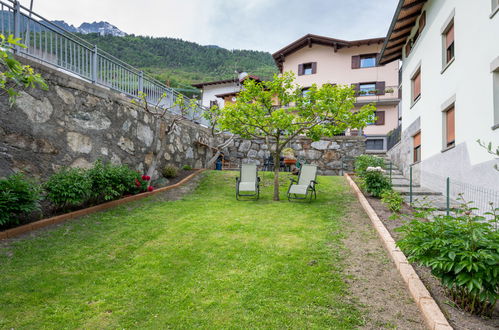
(416, 85)
(377, 118)
(213, 103)
(449, 43)
(307, 68)
(495, 5)
(305, 91)
(495, 78)
(416, 142)
(449, 130)
(367, 61)
(375, 144)
(367, 89)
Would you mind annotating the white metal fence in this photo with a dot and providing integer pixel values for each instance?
(52, 44)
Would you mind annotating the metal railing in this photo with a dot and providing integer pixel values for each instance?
(390, 95)
(51, 44)
(393, 137)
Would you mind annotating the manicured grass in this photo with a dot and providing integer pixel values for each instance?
(205, 261)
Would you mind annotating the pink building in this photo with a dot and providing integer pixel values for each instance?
(320, 60)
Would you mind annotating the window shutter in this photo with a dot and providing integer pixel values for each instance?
(356, 88)
(314, 67)
(449, 36)
(300, 69)
(450, 126)
(416, 86)
(380, 115)
(422, 21)
(380, 88)
(356, 62)
(417, 140)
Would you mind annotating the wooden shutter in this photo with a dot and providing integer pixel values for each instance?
(300, 69)
(450, 127)
(449, 36)
(422, 21)
(416, 86)
(380, 115)
(417, 140)
(356, 88)
(314, 67)
(380, 88)
(356, 62)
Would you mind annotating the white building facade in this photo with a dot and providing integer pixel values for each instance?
(450, 91)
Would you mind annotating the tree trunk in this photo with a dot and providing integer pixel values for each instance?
(158, 148)
(218, 152)
(277, 163)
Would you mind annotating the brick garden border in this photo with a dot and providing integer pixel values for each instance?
(10, 233)
(432, 314)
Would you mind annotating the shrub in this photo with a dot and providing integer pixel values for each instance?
(462, 251)
(18, 195)
(374, 182)
(69, 187)
(113, 181)
(187, 167)
(170, 172)
(362, 162)
(392, 199)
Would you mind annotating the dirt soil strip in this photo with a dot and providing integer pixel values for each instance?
(432, 314)
(10, 233)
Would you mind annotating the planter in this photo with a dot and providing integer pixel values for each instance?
(290, 161)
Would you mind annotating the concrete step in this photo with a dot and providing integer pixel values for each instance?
(417, 191)
(431, 202)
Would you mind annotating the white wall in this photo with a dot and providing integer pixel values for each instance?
(468, 79)
(210, 91)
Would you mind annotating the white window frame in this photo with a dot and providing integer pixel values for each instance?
(494, 8)
(494, 70)
(443, 31)
(446, 106)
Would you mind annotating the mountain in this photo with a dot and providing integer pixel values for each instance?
(182, 63)
(102, 28)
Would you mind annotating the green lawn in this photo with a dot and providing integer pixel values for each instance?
(204, 261)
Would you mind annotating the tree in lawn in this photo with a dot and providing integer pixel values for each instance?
(14, 75)
(279, 111)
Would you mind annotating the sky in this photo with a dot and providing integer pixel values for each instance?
(266, 25)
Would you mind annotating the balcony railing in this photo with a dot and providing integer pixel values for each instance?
(51, 44)
(390, 95)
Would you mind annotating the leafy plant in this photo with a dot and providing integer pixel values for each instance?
(374, 182)
(69, 187)
(187, 167)
(18, 195)
(111, 181)
(462, 250)
(392, 199)
(362, 162)
(288, 153)
(170, 172)
(13, 74)
(490, 150)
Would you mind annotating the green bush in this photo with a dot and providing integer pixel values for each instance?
(362, 162)
(187, 167)
(392, 199)
(113, 181)
(18, 195)
(374, 182)
(69, 187)
(170, 172)
(462, 251)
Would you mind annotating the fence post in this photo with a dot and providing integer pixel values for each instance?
(410, 186)
(94, 65)
(448, 193)
(390, 172)
(141, 81)
(17, 23)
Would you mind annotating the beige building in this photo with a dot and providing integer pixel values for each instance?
(321, 60)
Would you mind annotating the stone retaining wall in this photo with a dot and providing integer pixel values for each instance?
(74, 123)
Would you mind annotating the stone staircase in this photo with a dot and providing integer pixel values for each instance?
(422, 197)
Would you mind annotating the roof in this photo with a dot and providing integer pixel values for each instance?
(227, 94)
(403, 21)
(226, 81)
(310, 39)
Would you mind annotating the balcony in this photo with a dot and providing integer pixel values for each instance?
(390, 96)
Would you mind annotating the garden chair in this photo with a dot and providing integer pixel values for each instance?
(304, 187)
(248, 184)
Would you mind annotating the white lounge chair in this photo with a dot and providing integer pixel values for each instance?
(248, 184)
(305, 185)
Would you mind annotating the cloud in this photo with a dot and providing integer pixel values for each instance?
(234, 24)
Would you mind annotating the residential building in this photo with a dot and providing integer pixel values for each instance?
(450, 90)
(322, 60)
(221, 91)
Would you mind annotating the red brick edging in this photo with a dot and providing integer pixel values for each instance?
(9, 233)
(432, 314)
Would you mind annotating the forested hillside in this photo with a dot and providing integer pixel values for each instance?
(181, 62)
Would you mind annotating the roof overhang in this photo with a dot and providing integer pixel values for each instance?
(226, 81)
(403, 21)
(310, 39)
